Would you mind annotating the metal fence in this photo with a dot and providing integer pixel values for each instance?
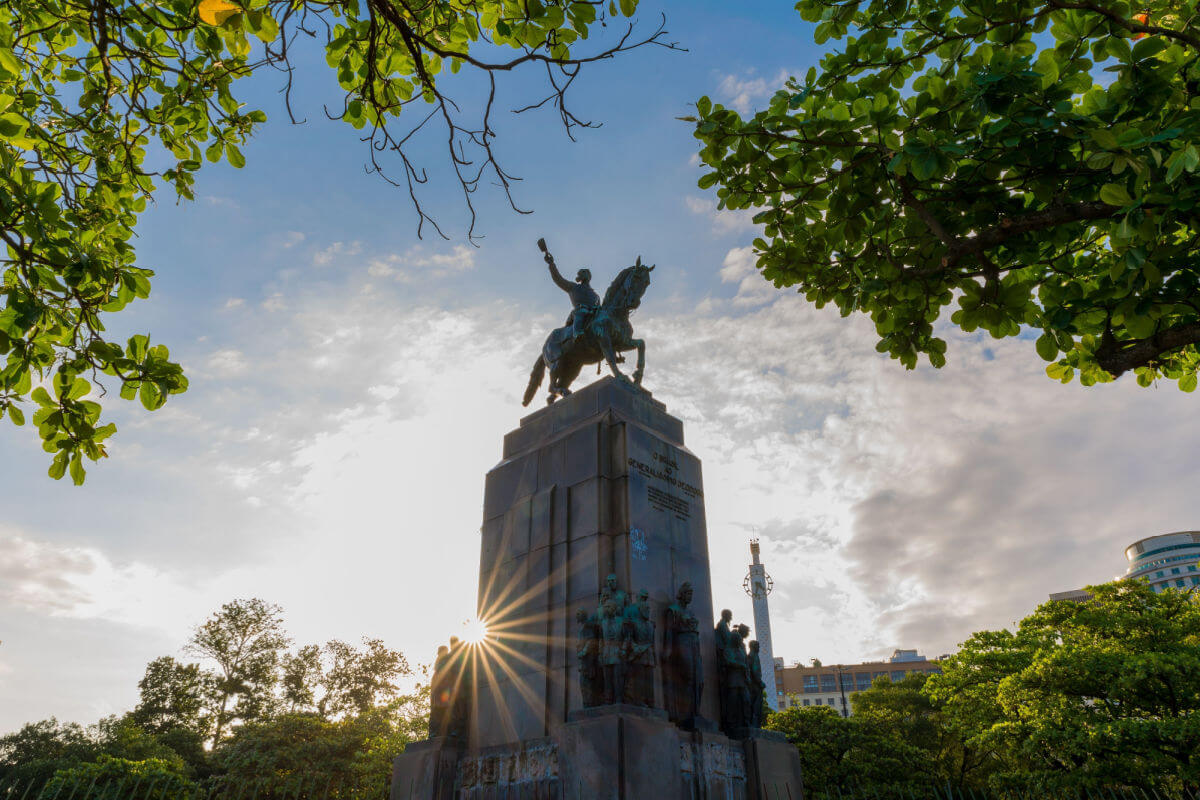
(951, 793)
(317, 788)
(158, 788)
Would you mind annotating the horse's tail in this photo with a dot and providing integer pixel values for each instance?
(535, 380)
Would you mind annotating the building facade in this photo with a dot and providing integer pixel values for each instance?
(832, 684)
(1167, 561)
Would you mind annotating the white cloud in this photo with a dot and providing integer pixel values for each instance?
(291, 239)
(743, 92)
(227, 363)
(336, 251)
(739, 267)
(84, 583)
(724, 221)
(417, 264)
(234, 302)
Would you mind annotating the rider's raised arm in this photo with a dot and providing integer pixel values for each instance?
(559, 280)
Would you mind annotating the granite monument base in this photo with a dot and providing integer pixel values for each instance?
(616, 752)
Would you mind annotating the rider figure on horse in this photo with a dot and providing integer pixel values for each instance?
(584, 300)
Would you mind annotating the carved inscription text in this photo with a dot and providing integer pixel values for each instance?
(665, 469)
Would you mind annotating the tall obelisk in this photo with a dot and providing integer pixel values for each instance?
(758, 585)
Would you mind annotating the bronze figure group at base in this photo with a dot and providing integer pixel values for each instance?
(742, 685)
(615, 648)
(450, 690)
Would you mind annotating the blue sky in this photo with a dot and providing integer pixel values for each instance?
(351, 385)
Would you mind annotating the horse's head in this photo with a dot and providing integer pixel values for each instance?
(627, 288)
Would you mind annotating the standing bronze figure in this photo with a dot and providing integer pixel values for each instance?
(757, 686)
(735, 680)
(439, 694)
(459, 679)
(639, 683)
(683, 672)
(610, 591)
(596, 330)
(613, 657)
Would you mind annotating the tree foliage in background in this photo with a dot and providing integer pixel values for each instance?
(246, 640)
(294, 751)
(331, 727)
(108, 777)
(1082, 699)
(339, 679)
(1086, 695)
(1032, 163)
(103, 103)
(897, 742)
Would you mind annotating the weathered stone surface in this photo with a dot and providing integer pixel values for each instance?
(426, 771)
(529, 769)
(613, 490)
(714, 766)
(619, 753)
(772, 767)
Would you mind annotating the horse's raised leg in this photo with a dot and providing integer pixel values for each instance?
(610, 355)
(640, 344)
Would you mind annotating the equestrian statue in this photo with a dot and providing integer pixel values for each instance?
(596, 330)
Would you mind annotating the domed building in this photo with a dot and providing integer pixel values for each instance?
(1169, 560)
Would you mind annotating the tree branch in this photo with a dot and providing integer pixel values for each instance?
(1133, 27)
(1118, 357)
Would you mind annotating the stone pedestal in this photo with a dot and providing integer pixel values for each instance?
(599, 483)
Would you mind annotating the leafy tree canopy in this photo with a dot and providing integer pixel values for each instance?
(246, 640)
(108, 777)
(104, 103)
(1104, 693)
(292, 753)
(1032, 164)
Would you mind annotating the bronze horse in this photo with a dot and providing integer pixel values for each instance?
(608, 333)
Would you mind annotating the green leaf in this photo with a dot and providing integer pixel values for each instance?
(78, 389)
(77, 470)
(1047, 347)
(1188, 382)
(1115, 195)
(58, 467)
(1148, 47)
(150, 396)
(235, 156)
(10, 67)
(16, 415)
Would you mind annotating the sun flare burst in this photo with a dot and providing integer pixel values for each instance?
(475, 631)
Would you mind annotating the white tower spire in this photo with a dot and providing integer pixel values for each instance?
(758, 585)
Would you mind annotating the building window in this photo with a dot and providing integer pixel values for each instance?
(847, 682)
(810, 684)
(828, 684)
(1192, 568)
(1175, 570)
(805, 701)
(1158, 574)
(935, 671)
(875, 675)
(1195, 581)
(863, 681)
(1179, 583)
(897, 675)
